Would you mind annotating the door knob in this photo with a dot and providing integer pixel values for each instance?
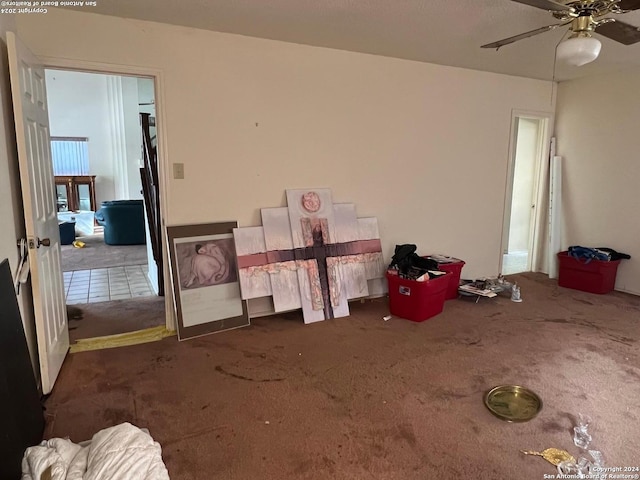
(45, 242)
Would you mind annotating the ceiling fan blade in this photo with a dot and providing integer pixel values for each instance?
(507, 41)
(547, 5)
(620, 32)
(629, 4)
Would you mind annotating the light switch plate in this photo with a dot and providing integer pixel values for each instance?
(178, 171)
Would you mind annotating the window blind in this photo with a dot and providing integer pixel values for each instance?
(70, 155)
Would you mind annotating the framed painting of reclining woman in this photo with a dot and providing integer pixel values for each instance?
(204, 270)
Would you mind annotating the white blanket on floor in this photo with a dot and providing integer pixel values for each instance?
(123, 452)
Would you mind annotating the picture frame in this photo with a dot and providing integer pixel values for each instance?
(206, 286)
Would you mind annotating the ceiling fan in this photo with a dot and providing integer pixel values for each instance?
(585, 17)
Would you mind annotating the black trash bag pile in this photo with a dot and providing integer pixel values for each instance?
(411, 265)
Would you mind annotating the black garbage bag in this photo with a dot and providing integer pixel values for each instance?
(406, 260)
(402, 256)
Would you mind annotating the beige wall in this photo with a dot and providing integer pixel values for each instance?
(422, 147)
(597, 131)
(11, 215)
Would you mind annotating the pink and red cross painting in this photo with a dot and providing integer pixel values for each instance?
(312, 254)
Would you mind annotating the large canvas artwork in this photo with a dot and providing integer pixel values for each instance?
(205, 279)
(313, 254)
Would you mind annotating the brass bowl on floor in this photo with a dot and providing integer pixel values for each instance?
(513, 403)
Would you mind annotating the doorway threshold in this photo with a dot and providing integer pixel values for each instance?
(137, 337)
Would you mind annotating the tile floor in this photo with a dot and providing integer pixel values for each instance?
(105, 284)
(515, 262)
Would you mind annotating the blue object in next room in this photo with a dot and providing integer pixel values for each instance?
(67, 232)
(123, 222)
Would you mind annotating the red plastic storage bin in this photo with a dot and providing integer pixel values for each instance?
(593, 277)
(417, 301)
(456, 269)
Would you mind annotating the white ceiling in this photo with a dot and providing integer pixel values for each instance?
(446, 32)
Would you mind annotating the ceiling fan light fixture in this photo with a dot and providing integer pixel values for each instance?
(579, 50)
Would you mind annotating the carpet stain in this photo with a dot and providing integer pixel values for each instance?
(553, 427)
(556, 320)
(242, 377)
(302, 466)
(116, 415)
(627, 308)
(620, 339)
(254, 355)
(319, 463)
(448, 395)
(480, 382)
(628, 341)
(328, 463)
(467, 340)
(197, 433)
(332, 396)
(586, 302)
(633, 374)
(104, 387)
(405, 432)
(161, 359)
(74, 313)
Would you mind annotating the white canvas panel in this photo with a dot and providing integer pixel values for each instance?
(249, 240)
(354, 278)
(321, 207)
(375, 267)
(342, 310)
(284, 287)
(378, 287)
(254, 283)
(277, 231)
(346, 222)
(368, 228)
(309, 314)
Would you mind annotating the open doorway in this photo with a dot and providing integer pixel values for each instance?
(111, 279)
(528, 149)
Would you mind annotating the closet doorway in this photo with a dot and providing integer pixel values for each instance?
(529, 149)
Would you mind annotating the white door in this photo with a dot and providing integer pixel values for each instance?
(40, 212)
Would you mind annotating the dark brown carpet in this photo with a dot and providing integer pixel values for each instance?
(97, 254)
(118, 316)
(361, 398)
